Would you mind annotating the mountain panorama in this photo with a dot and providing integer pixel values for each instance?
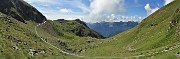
(109, 29)
(89, 29)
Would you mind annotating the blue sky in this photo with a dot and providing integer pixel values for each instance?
(98, 10)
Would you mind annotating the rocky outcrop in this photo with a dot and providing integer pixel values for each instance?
(21, 11)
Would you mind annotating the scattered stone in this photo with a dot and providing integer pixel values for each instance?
(178, 53)
(153, 24)
(32, 52)
(50, 48)
(8, 17)
(89, 41)
(62, 44)
(171, 49)
(42, 52)
(156, 52)
(165, 50)
(35, 41)
(15, 47)
(25, 43)
(80, 50)
(58, 40)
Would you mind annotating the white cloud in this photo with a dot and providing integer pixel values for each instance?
(150, 10)
(106, 6)
(53, 9)
(167, 1)
(63, 13)
(100, 9)
(131, 18)
(66, 11)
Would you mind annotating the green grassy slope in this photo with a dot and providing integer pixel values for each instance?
(19, 41)
(74, 27)
(156, 33)
(64, 34)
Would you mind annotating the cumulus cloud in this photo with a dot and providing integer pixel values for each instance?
(106, 6)
(103, 8)
(167, 1)
(150, 10)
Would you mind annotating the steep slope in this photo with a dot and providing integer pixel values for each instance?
(21, 11)
(29, 41)
(109, 29)
(157, 35)
(19, 40)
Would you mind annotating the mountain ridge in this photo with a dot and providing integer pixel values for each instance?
(76, 26)
(21, 11)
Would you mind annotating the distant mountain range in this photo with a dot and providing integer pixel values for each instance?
(108, 29)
